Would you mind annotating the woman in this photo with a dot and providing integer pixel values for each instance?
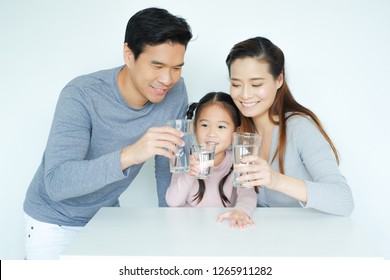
(298, 163)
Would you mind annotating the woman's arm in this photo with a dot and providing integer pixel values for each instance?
(312, 173)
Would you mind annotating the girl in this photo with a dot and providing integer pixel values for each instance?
(298, 163)
(216, 119)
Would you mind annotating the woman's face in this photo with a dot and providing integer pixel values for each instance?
(215, 125)
(252, 87)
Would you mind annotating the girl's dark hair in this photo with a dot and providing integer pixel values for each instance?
(264, 50)
(154, 26)
(225, 101)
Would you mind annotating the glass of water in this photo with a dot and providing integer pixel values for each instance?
(204, 153)
(244, 144)
(181, 162)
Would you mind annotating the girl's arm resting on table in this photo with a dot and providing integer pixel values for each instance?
(178, 190)
(246, 200)
(240, 216)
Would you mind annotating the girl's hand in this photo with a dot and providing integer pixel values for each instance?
(257, 173)
(238, 218)
(194, 166)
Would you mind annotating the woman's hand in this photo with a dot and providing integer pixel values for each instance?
(257, 173)
(238, 218)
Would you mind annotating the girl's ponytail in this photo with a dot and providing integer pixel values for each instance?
(191, 110)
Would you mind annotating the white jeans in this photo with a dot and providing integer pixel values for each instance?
(46, 241)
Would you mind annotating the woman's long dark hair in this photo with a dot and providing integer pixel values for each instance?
(264, 50)
(225, 101)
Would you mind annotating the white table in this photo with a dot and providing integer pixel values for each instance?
(279, 232)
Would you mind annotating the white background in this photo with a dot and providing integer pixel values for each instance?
(337, 59)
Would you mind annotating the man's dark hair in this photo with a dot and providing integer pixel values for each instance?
(154, 26)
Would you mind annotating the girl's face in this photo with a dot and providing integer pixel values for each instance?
(215, 125)
(252, 87)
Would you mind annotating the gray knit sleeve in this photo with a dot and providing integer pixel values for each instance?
(68, 173)
(327, 188)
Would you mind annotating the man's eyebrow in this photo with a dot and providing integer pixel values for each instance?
(156, 62)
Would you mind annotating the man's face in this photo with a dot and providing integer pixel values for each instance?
(156, 70)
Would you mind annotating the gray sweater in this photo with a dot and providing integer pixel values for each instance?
(308, 156)
(80, 170)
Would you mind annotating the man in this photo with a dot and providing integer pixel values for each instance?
(106, 125)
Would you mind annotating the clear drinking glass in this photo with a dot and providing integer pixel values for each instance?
(181, 162)
(204, 153)
(244, 144)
